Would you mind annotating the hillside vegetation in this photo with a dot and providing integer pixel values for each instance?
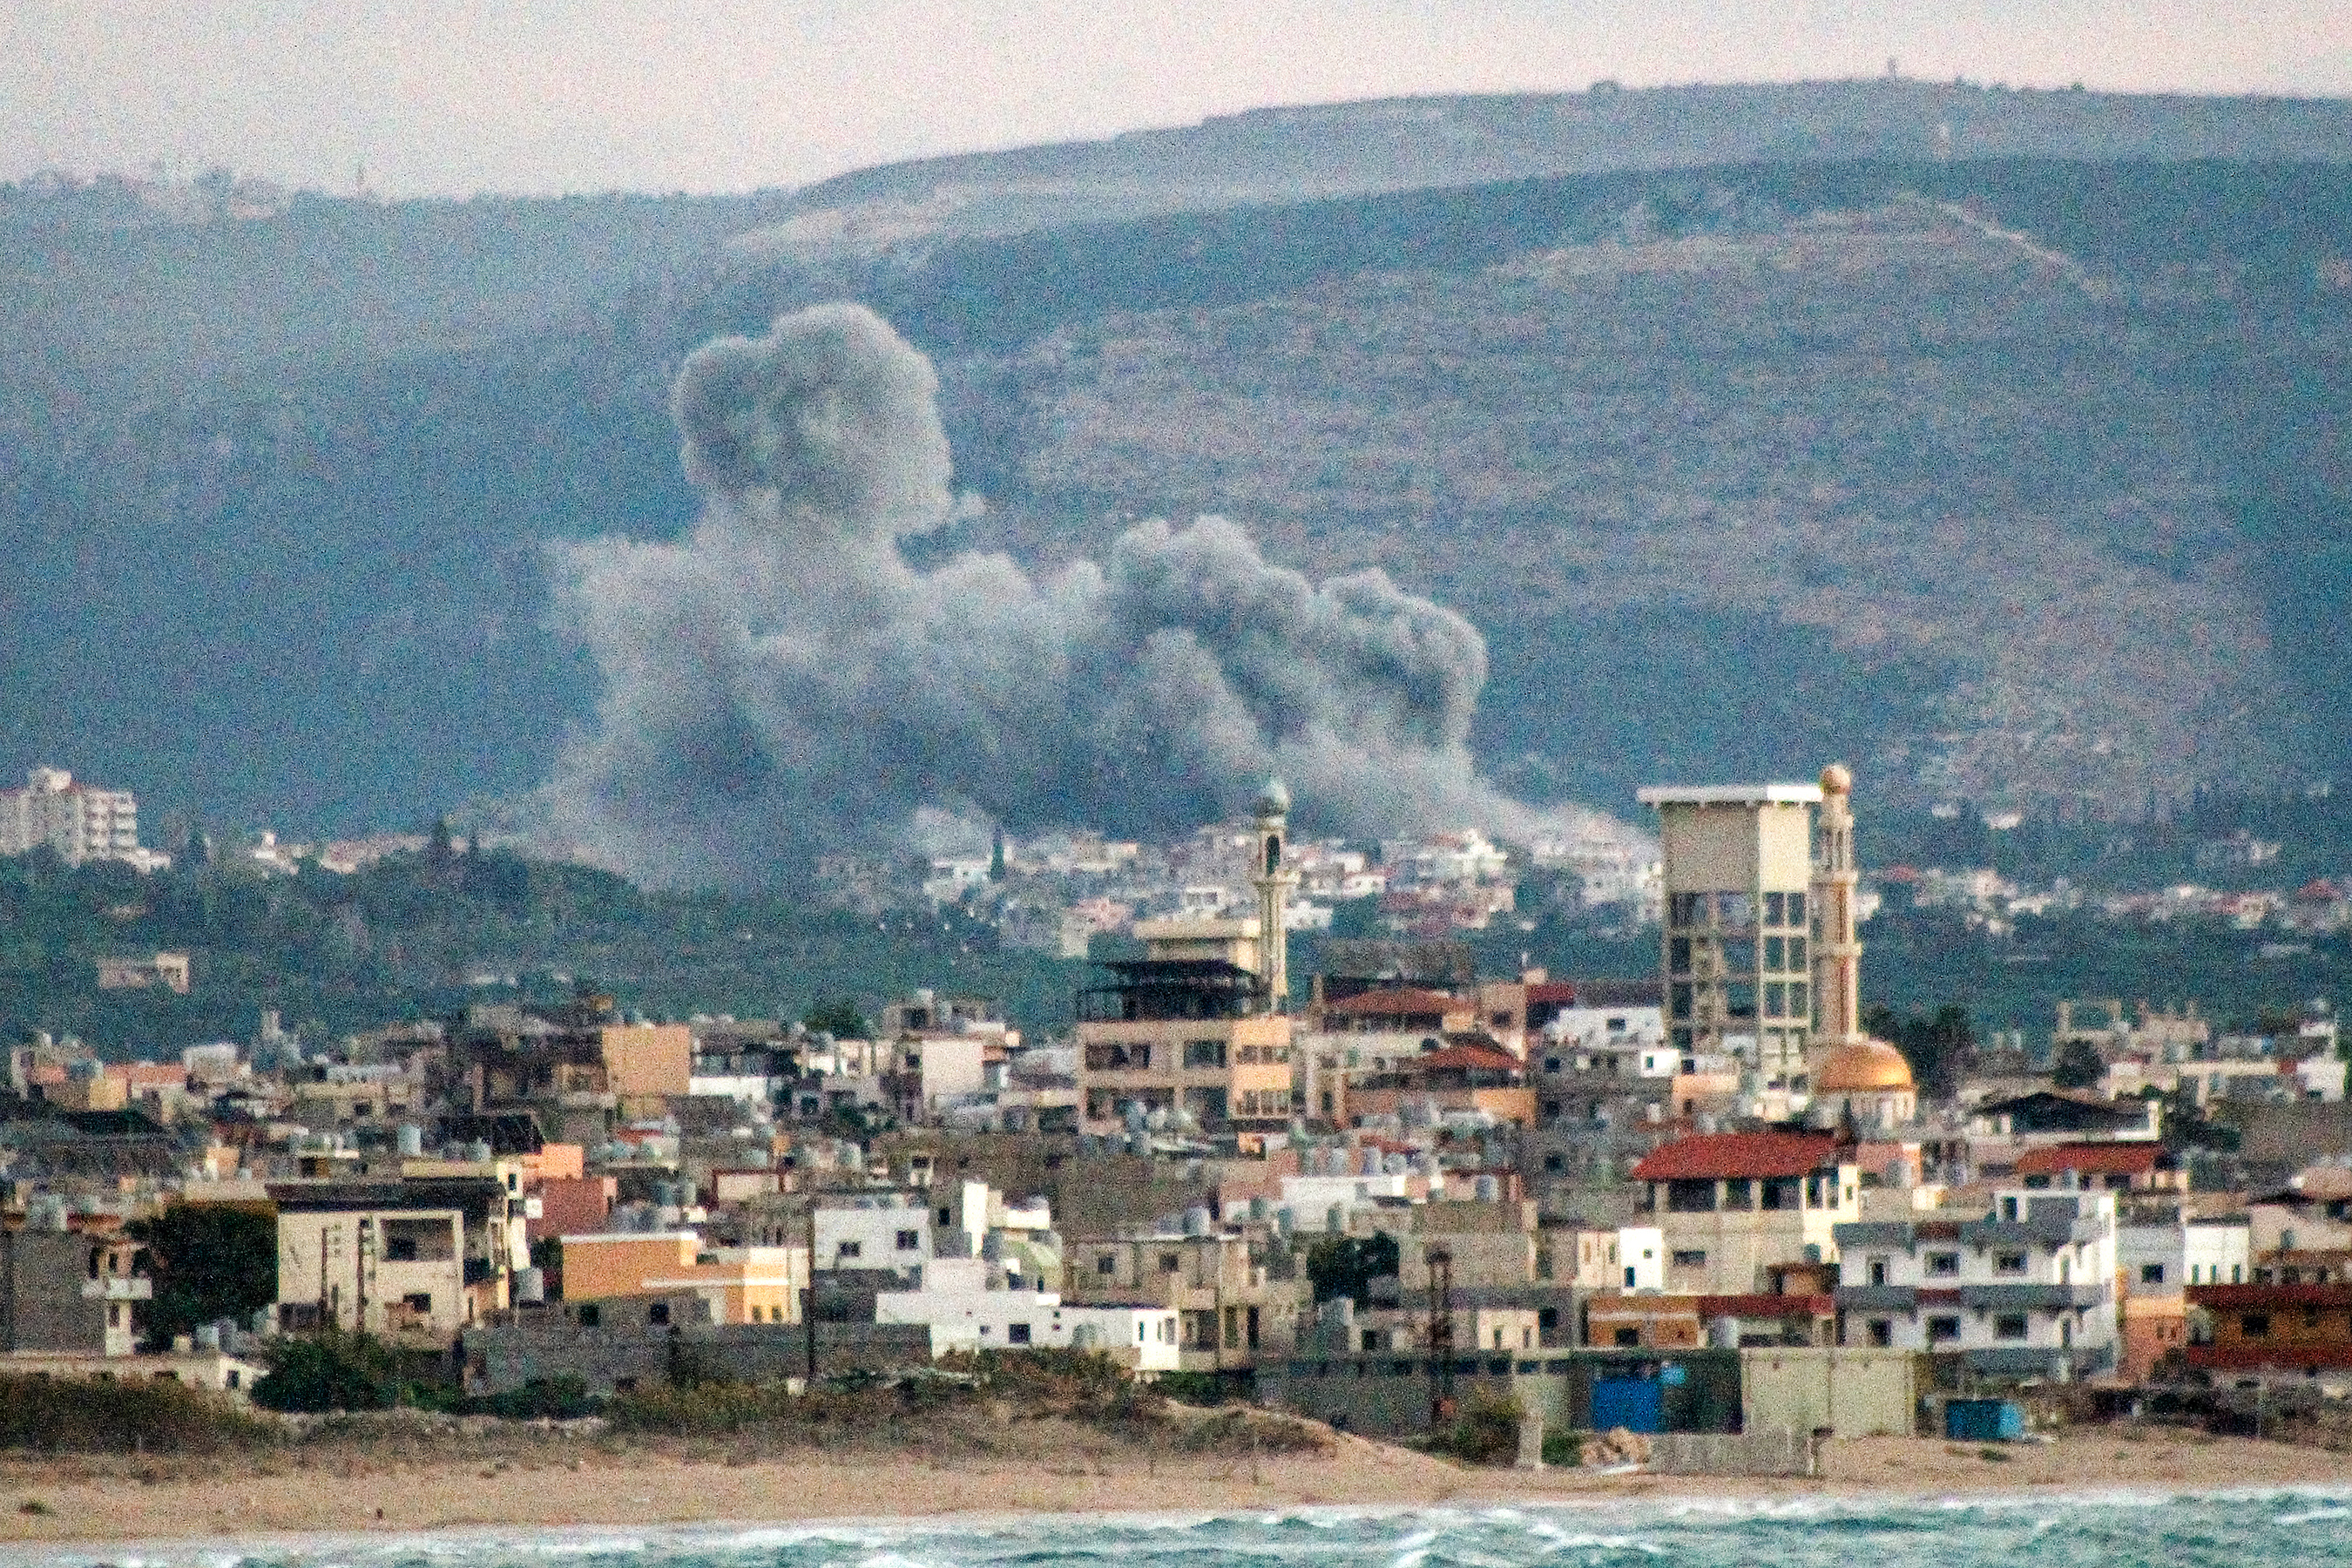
(2014, 479)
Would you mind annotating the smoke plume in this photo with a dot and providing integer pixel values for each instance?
(782, 682)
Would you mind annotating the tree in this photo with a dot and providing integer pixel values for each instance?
(209, 1261)
(1347, 1266)
(2078, 1065)
(840, 1018)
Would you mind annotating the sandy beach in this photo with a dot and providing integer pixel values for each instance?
(554, 1484)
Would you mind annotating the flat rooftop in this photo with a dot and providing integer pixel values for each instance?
(1730, 794)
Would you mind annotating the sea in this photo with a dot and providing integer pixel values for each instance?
(2289, 1529)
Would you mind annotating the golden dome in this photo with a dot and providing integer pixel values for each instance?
(1871, 1067)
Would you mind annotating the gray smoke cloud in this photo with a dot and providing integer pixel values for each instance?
(782, 682)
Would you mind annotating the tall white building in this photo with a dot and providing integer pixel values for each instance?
(79, 821)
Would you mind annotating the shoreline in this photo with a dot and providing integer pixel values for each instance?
(320, 1497)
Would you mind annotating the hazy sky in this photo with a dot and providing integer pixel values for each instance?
(439, 96)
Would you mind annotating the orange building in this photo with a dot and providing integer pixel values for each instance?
(2153, 1328)
(741, 1284)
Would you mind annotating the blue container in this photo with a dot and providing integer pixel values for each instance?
(1983, 1420)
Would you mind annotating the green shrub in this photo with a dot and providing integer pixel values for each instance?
(1562, 1447)
(1487, 1430)
(332, 1371)
(92, 1416)
(1205, 1389)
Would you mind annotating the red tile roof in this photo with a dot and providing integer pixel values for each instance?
(2134, 1159)
(1405, 1000)
(1718, 1155)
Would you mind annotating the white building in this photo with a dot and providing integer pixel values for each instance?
(1641, 1255)
(79, 821)
(2028, 1289)
(873, 1233)
(956, 1296)
(2158, 1255)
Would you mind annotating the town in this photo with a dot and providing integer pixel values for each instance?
(1701, 1202)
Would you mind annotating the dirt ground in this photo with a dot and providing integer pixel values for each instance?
(556, 1481)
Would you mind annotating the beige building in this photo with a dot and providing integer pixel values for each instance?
(1199, 1028)
(1228, 1312)
(168, 970)
(1729, 1206)
(397, 1272)
(1736, 953)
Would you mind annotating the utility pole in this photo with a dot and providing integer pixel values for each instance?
(808, 1296)
(1441, 1336)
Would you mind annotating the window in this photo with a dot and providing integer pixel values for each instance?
(400, 1250)
(418, 1301)
(1740, 999)
(2151, 1273)
(1776, 953)
(2255, 1325)
(1555, 1163)
(658, 1313)
(1797, 952)
(1106, 1265)
(1738, 1193)
(1678, 954)
(1170, 1263)
(1877, 1272)
(2009, 1326)
(1776, 909)
(910, 1241)
(1796, 909)
(1776, 999)
(1686, 910)
(2008, 1263)
(1628, 1339)
(1781, 1192)
(1678, 998)
(591, 1315)
(1800, 1002)
(1690, 1257)
(1735, 912)
(1882, 1334)
(1690, 1197)
(1016, 1333)
(848, 1249)
(1943, 1331)
(1204, 1053)
(947, 1216)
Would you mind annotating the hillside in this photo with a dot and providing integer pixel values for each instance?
(2013, 480)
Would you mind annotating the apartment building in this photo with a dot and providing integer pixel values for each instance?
(79, 821)
(1229, 1312)
(1730, 1205)
(1189, 1030)
(2027, 1289)
(738, 1284)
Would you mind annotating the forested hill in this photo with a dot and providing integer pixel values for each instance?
(2004, 479)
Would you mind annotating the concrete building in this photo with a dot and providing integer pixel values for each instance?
(960, 1295)
(1229, 1312)
(2025, 1290)
(1190, 1030)
(1734, 955)
(140, 971)
(1730, 1205)
(888, 1232)
(737, 1284)
(79, 821)
(395, 1271)
(69, 1293)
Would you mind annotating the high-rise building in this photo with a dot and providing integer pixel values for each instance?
(79, 822)
(1735, 957)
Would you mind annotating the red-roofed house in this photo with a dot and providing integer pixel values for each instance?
(1467, 1074)
(1730, 1205)
(2118, 1167)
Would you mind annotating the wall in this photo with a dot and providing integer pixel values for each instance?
(643, 1059)
(1855, 1393)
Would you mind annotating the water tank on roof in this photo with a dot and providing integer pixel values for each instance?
(1257, 1211)
(46, 1211)
(208, 1336)
(530, 1286)
(412, 1141)
(1396, 1165)
(1284, 1222)
(1335, 1219)
(478, 1151)
(1370, 1162)
(1488, 1189)
(1196, 1221)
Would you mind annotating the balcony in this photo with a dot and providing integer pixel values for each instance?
(1877, 1298)
(2027, 1297)
(119, 1287)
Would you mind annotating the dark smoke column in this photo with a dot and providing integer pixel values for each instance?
(780, 681)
